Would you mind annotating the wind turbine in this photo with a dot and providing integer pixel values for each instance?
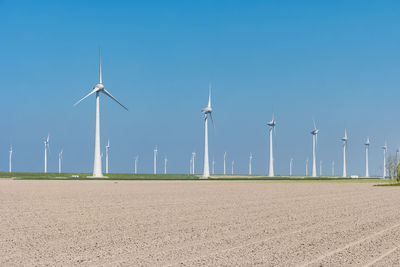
(367, 143)
(384, 160)
(306, 166)
(290, 166)
(98, 88)
(193, 161)
(107, 149)
(213, 166)
(315, 141)
(155, 152)
(344, 139)
(165, 165)
(250, 163)
(136, 163)
(225, 163)
(233, 165)
(10, 154)
(59, 160)
(190, 171)
(333, 168)
(207, 111)
(46, 147)
(271, 125)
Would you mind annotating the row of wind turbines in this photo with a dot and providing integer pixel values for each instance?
(99, 89)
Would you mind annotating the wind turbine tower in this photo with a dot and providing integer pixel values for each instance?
(367, 143)
(165, 165)
(10, 154)
(320, 168)
(306, 166)
(291, 167)
(213, 166)
(136, 163)
(250, 163)
(155, 152)
(344, 139)
(207, 111)
(193, 161)
(333, 168)
(315, 141)
(46, 148)
(107, 150)
(233, 165)
(271, 125)
(98, 88)
(60, 160)
(225, 163)
(384, 160)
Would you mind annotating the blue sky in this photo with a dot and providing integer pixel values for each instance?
(335, 61)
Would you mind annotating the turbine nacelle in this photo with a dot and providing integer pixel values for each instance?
(99, 87)
(207, 110)
(367, 143)
(272, 123)
(314, 132)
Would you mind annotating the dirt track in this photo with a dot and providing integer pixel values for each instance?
(187, 223)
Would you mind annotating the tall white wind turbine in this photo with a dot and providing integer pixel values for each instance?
(193, 162)
(384, 160)
(367, 143)
(136, 163)
(60, 156)
(155, 152)
(165, 165)
(107, 150)
(320, 168)
(233, 166)
(315, 141)
(333, 168)
(344, 139)
(250, 163)
(291, 167)
(306, 166)
(225, 163)
(271, 125)
(10, 154)
(207, 111)
(213, 166)
(98, 88)
(46, 148)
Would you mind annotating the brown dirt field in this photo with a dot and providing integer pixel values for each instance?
(190, 223)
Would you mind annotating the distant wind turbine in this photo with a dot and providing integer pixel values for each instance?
(193, 162)
(384, 160)
(306, 166)
(46, 148)
(213, 166)
(98, 88)
(320, 168)
(155, 152)
(107, 150)
(60, 156)
(271, 125)
(367, 144)
(333, 168)
(250, 163)
(233, 165)
(10, 154)
(165, 165)
(290, 167)
(207, 111)
(225, 163)
(315, 141)
(136, 163)
(344, 139)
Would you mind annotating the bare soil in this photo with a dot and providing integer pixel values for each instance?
(198, 223)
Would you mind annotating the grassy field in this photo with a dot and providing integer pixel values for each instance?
(126, 176)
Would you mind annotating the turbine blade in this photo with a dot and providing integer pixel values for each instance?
(209, 96)
(212, 121)
(315, 126)
(101, 80)
(92, 92)
(113, 98)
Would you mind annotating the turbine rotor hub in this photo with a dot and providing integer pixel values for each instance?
(99, 86)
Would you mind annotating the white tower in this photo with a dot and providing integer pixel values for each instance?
(46, 147)
(213, 166)
(333, 168)
(155, 152)
(291, 167)
(344, 139)
(271, 125)
(315, 141)
(384, 160)
(193, 162)
(233, 165)
(225, 163)
(10, 154)
(207, 111)
(367, 143)
(136, 163)
(60, 160)
(320, 168)
(250, 163)
(107, 150)
(165, 165)
(98, 88)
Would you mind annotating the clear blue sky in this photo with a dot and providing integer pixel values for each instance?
(336, 61)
